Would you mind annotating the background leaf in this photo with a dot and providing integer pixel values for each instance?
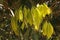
(14, 26)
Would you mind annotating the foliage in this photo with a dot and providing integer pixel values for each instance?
(29, 20)
(33, 17)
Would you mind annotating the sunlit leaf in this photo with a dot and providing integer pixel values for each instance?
(37, 19)
(20, 14)
(44, 9)
(47, 29)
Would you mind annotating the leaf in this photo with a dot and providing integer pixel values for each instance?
(22, 26)
(14, 26)
(37, 19)
(20, 14)
(16, 14)
(29, 17)
(44, 9)
(47, 29)
(25, 11)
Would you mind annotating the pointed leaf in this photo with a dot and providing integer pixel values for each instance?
(37, 19)
(47, 29)
(14, 26)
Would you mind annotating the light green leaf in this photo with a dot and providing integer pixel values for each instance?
(44, 9)
(37, 19)
(20, 14)
(47, 29)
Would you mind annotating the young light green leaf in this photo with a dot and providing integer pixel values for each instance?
(20, 15)
(37, 19)
(44, 9)
(47, 29)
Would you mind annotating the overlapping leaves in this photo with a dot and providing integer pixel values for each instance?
(33, 16)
